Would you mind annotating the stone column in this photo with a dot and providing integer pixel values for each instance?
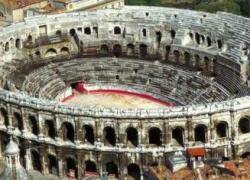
(190, 130)
(60, 163)
(40, 125)
(80, 164)
(43, 160)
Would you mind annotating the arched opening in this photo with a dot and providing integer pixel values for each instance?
(134, 172)
(206, 61)
(197, 61)
(7, 47)
(132, 137)
(117, 50)
(191, 36)
(130, 49)
(197, 38)
(176, 56)
(155, 136)
(187, 58)
(117, 30)
(178, 135)
(112, 169)
(168, 49)
(4, 117)
(89, 134)
(172, 34)
(110, 136)
(219, 44)
(144, 32)
(65, 50)
(58, 32)
(72, 32)
(36, 161)
(244, 125)
(104, 50)
(52, 165)
(71, 166)
(246, 155)
(50, 129)
(222, 129)
(29, 39)
(33, 125)
(90, 166)
(50, 52)
(200, 132)
(18, 121)
(202, 39)
(209, 41)
(87, 30)
(18, 43)
(68, 132)
(158, 38)
(143, 50)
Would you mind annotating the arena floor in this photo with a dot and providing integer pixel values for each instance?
(113, 100)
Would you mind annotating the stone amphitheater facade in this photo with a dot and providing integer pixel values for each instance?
(152, 44)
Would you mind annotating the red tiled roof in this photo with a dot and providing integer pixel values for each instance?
(196, 151)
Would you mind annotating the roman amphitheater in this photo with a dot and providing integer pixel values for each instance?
(117, 90)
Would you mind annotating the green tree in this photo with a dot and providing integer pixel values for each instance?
(219, 5)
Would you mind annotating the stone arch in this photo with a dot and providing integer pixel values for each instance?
(178, 135)
(51, 52)
(158, 37)
(244, 125)
(222, 129)
(168, 50)
(109, 136)
(104, 49)
(143, 50)
(187, 58)
(207, 63)
(18, 43)
(200, 133)
(155, 136)
(68, 132)
(219, 44)
(72, 32)
(50, 129)
(117, 30)
(58, 32)
(132, 136)
(144, 32)
(30, 38)
(33, 125)
(4, 117)
(90, 166)
(7, 46)
(134, 171)
(65, 50)
(18, 121)
(89, 135)
(197, 38)
(52, 164)
(36, 160)
(209, 41)
(70, 164)
(130, 49)
(87, 30)
(246, 155)
(112, 169)
(176, 56)
(197, 61)
(172, 33)
(117, 50)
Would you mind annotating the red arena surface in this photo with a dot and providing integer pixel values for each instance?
(81, 95)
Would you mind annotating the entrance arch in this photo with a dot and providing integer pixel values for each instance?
(52, 164)
(117, 50)
(110, 136)
(143, 50)
(112, 169)
(244, 125)
(178, 135)
(71, 165)
(132, 137)
(222, 129)
(200, 133)
(36, 160)
(134, 171)
(90, 166)
(68, 132)
(89, 134)
(155, 136)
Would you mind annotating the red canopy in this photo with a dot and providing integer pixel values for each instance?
(196, 151)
